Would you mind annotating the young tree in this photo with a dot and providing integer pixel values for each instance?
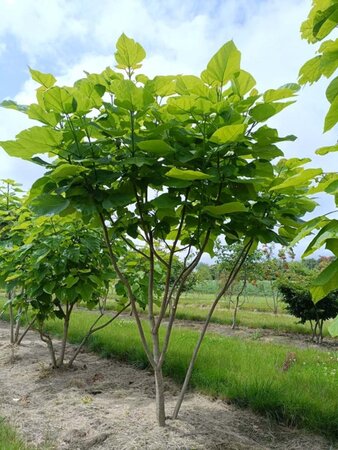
(59, 264)
(226, 257)
(171, 162)
(11, 199)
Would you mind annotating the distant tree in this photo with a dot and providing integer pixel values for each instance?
(250, 271)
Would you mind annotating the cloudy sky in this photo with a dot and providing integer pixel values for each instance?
(66, 37)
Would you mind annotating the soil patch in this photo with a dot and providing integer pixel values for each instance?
(104, 404)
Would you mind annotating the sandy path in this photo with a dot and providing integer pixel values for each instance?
(105, 405)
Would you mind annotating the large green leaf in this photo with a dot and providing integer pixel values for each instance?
(264, 111)
(326, 282)
(156, 147)
(298, 180)
(45, 79)
(129, 96)
(222, 65)
(228, 133)
(129, 53)
(332, 90)
(272, 95)
(190, 84)
(65, 171)
(226, 208)
(36, 112)
(59, 100)
(32, 141)
(187, 175)
(48, 204)
(311, 71)
(243, 82)
(189, 104)
(328, 231)
(332, 115)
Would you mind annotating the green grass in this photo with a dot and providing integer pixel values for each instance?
(250, 319)
(249, 373)
(195, 307)
(9, 439)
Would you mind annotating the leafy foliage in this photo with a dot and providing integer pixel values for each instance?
(172, 162)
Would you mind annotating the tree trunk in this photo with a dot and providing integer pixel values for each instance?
(160, 408)
(64, 341)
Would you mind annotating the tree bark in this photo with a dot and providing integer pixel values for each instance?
(160, 402)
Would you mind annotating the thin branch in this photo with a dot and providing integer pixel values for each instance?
(131, 296)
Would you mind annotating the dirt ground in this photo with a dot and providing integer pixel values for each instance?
(104, 404)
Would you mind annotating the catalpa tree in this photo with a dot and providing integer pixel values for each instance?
(166, 166)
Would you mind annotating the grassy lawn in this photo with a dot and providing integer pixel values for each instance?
(248, 373)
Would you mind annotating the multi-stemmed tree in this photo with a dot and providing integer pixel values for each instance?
(165, 166)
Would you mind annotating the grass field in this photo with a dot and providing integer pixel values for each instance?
(255, 314)
(246, 372)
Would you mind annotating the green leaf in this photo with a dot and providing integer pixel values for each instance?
(187, 175)
(228, 133)
(226, 208)
(332, 90)
(277, 94)
(243, 82)
(32, 141)
(325, 150)
(332, 116)
(129, 96)
(298, 180)
(264, 111)
(311, 71)
(49, 287)
(190, 84)
(189, 104)
(328, 231)
(222, 65)
(129, 53)
(45, 79)
(37, 113)
(48, 204)
(59, 100)
(71, 281)
(326, 282)
(10, 104)
(65, 171)
(156, 147)
(166, 201)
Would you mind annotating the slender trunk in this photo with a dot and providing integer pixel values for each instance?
(26, 331)
(234, 317)
(45, 338)
(17, 326)
(64, 340)
(234, 272)
(11, 321)
(160, 403)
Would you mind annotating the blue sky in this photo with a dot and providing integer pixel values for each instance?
(66, 37)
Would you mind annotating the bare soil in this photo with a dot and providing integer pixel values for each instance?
(105, 404)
